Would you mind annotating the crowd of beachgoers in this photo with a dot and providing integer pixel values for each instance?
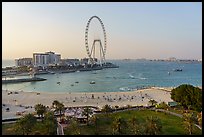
(17, 102)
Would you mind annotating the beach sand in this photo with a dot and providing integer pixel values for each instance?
(18, 100)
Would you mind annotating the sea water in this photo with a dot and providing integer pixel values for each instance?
(131, 75)
(8, 63)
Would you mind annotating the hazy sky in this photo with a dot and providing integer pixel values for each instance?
(134, 30)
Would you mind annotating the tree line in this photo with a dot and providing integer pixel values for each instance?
(187, 96)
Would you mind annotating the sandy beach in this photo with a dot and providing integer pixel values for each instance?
(25, 101)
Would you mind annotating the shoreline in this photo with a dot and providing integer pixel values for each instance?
(24, 101)
(119, 91)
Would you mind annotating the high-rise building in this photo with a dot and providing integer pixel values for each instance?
(40, 59)
(53, 58)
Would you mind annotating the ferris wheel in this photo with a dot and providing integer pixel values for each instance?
(100, 40)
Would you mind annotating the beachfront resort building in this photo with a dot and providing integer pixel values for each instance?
(69, 62)
(86, 61)
(23, 62)
(46, 59)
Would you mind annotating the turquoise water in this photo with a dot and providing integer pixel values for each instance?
(130, 75)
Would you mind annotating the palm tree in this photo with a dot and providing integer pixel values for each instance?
(199, 117)
(50, 123)
(188, 122)
(152, 102)
(55, 103)
(116, 107)
(129, 107)
(25, 124)
(162, 105)
(58, 107)
(153, 126)
(134, 125)
(95, 122)
(19, 127)
(40, 109)
(74, 127)
(117, 125)
(107, 108)
(87, 112)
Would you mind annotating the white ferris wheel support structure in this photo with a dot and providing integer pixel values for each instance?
(102, 46)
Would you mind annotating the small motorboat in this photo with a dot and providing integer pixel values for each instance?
(177, 69)
(132, 77)
(58, 82)
(92, 82)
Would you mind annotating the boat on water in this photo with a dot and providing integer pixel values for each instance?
(177, 70)
(58, 82)
(41, 72)
(51, 72)
(109, 65)
(92, 82)
(91, 69)
(131, 76)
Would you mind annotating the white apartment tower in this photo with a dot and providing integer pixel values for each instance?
(45, 59)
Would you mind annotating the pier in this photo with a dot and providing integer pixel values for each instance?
(22, 80)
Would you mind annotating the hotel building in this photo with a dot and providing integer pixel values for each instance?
(23, 62)
(70, 62)
(46, 59)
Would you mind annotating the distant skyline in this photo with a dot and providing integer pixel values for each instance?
(151, 30)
